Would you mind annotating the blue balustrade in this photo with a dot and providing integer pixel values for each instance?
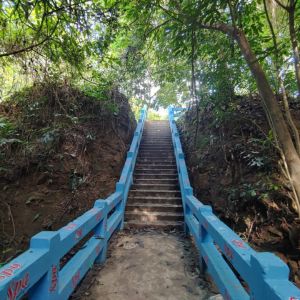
(223, 254)
(40, 273)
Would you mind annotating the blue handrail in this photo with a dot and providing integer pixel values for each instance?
(264, 275)
(37, 272)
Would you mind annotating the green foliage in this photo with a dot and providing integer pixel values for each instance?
(256, 191)
(7, 131)
(94, 91)
(147, 48)
(153, 115)
(6, 127)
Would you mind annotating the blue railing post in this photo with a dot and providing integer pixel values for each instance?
(269, 277)
(48, 286)
(120, 187)
(100, 231)
(204, 237)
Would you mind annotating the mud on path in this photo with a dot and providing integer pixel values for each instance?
(146, 265)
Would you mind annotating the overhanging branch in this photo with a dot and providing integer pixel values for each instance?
(31, 47)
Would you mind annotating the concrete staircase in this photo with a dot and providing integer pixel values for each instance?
(154, 199)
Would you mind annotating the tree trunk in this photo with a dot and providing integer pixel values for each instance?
(271, 104)
(193, 84)
(288, 115)
(294, 42)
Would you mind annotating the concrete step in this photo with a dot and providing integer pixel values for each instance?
(169, 145)
(154, 193)
(156, 147)
(165, 155)
(156, 166)
(157, 181)
(160, 149)
(157, 150)
(155, 186)
(153, 200)
(152, 140)
(156, 154)
(159, 160)
(154, 176)
(156, 142)
(156, 137)
(155, 163)
(157, 127)
(158, 132)
(154, 171)
(153, 207)
(166, 225)
(153, 216)
(160, 127)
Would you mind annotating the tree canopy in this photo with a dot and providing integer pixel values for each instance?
(143, 46)
(163, 52)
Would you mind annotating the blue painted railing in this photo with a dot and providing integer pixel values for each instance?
(262, 276)
(38, 272)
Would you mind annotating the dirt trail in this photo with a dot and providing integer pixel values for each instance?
(146, 265)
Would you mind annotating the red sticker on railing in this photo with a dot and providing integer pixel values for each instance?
(98, 250)
(16, 287)
(239, 244)
(98, 216)
(9, 271)
(78, 234)
(75, 279)
(70, 226)
(54, 278)
(228, 252)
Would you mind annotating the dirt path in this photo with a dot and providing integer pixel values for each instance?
(146, 265)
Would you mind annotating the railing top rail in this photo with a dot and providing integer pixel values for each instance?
(265, 275)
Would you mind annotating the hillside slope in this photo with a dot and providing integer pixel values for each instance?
(235, 167)
(60, 150)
